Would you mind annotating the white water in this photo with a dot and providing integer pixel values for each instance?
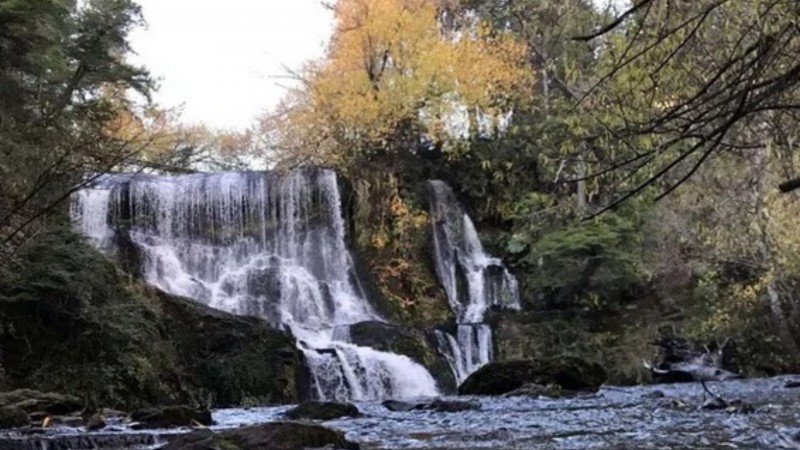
(472, 280)
(262, 244)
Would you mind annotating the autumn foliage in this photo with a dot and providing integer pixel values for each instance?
(392, 70)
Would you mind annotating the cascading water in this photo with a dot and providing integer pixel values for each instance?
(256, 243)
(472, 280)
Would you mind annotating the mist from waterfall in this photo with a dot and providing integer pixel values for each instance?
(256, 243)
(473, 282)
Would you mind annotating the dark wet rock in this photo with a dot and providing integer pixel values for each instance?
(498, 378)
(441, 405)
(536, 390)
(170, 417)
(417, 345)
(233, 358)
(67, 295)
(398, 406)
(716, 403)
(654, 395)
(792, 384)
(198, 440)
(683, 361)
(273, 436)
(49, 403)
(323, 411)
(13, 417)
(95, 422)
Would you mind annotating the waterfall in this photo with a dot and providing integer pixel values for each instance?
(473, 282)
(256, 243)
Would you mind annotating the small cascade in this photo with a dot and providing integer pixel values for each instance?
(255, 243)
(473, 282)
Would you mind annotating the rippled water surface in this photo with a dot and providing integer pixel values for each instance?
(614, 418)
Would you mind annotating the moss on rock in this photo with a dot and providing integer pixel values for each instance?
(72, 322)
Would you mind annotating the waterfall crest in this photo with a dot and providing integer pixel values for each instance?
(473, 282)
(256, 243)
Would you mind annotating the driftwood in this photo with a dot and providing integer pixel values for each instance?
(682, 361)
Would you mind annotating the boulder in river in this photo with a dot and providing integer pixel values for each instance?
(95, 422)
(441, 405)
(13, 417)
(323, 411)
(170, 417)
(398, 406)
(683, 361)
(274, 436)
(498, 378)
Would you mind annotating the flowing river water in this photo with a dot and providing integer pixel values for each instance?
(614, 418)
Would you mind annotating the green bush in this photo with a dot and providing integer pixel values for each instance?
(592, 263)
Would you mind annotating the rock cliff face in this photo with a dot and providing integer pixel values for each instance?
(71, 322)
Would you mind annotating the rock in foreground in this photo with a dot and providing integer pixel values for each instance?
(323, 411)
(13, 417)
(273, 436)
(170, 416)
(498, 378)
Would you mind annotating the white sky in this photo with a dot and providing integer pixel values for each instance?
(217, 58)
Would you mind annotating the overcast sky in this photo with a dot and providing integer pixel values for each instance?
(218, 58)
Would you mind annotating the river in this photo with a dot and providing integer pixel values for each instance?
(613, 418)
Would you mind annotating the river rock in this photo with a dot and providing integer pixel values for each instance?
(682, 361)
(170, 417)
(13, 417)
(536, 390)
(49, 403)
(654, 395)
(398, 406)
(95, 422)
(498, 378)
(323, 411)
(441, 405)
(274, 436)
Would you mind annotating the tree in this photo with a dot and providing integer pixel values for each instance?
(65, 108)
(396, 81)
(719, 75)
